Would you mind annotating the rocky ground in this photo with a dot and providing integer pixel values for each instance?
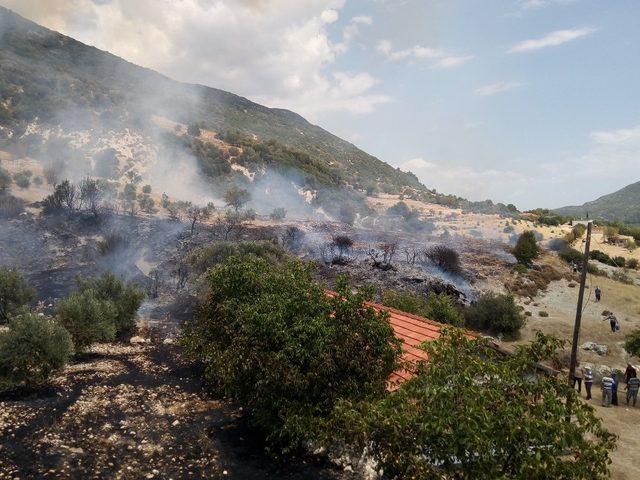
(134, 412)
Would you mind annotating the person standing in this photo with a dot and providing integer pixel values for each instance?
(598, 293)
(588, 381)
(633, 385)
(607, 387)
(612, 322)
(578, 374)
(614, 388)
(629, 373)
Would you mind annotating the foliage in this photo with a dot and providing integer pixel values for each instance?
(403, 210)
(632, 263)
(208, 256)
(495, 314)
(632, 343)
(63, 197)
(445, 258)
(526, 249)
(435, 306)
(269, 337)
(87, 318)
(15, 293)
(278, 213)
(10, 206)
(236, 197)
(146, 189)
(571, 255)
(472, 413)
(5, 180)
(125, 298)
(31, 349)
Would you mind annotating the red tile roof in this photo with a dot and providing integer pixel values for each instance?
(413, 330)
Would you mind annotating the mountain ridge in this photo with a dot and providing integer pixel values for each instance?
(621, 205)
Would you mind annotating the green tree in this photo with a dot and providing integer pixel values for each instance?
(5, 180)
(472, 413)
(87, 318)
(269, 337)
(632, 343)
(15, 292)
(236, 197)
(31, 349)
(124, 298)
(435, 306)
(526, 249)
(496, 314)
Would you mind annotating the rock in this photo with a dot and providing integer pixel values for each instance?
(168, 341)
(175, 423)
(595, 347)
(138, 340)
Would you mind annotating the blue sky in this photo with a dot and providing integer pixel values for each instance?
(535, 102)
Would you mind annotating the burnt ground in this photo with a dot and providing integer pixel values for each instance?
(135, 411)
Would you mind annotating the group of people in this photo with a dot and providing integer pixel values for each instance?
(609, 384)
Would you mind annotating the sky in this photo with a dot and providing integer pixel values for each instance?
(531, 102)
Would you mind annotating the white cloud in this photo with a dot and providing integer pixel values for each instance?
(622, 137)
(552, 39)
(536, 4)
(419, 52)
(497, 87)
(277, 52)
(452, 61)
(466, 181)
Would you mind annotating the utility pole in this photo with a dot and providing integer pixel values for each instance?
(576, 326)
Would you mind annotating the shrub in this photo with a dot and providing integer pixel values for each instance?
(15, 292)
(445, 258)
(146, 189)
(526, 249)
(22, 179)
(600, 257)
(571, 255)
(236, 197)
(31, 349)
(632, 263)
(10, 206)
(495, 314)
(5, 180)
(543, 313)
(632, 343)
(619, 262)
(269, 337)
(87, 318)
(208, 256)
(473, 413)
(436, 306)
(125, 299)
(278, 213)
(403, 210)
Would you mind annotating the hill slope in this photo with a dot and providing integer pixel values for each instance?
(53, 78)
(623, 205)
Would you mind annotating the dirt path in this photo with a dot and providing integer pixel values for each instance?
(129, 412)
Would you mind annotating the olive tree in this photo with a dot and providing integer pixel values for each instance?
(472, 413)
(15, 292)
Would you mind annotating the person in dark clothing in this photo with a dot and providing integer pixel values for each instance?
(629, 373)
(614, 389)
(578, 375)
(598, 293)
(612, 323)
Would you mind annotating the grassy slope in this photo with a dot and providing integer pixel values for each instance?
(44, 73)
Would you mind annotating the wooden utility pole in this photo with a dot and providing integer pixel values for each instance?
(576, 326)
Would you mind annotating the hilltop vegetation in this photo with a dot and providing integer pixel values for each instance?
(622, 206)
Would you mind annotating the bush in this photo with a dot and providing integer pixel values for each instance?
(619, 262)
(445, 258)
(5, 180)
(632, 343)
(473, 413)
(496, 315)
(10, 206)
(269, 337)
(146, 189)
(436, 306)
(22, 179)
(204, 258)
(125, 298)
(600, 257)
(632, 263)
(571, 255)
(31, 349)
(526, 249)
(278, 213)
(14, 293)
(87, 318)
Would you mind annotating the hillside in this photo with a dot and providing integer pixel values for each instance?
(51, 78)
(623, 205)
